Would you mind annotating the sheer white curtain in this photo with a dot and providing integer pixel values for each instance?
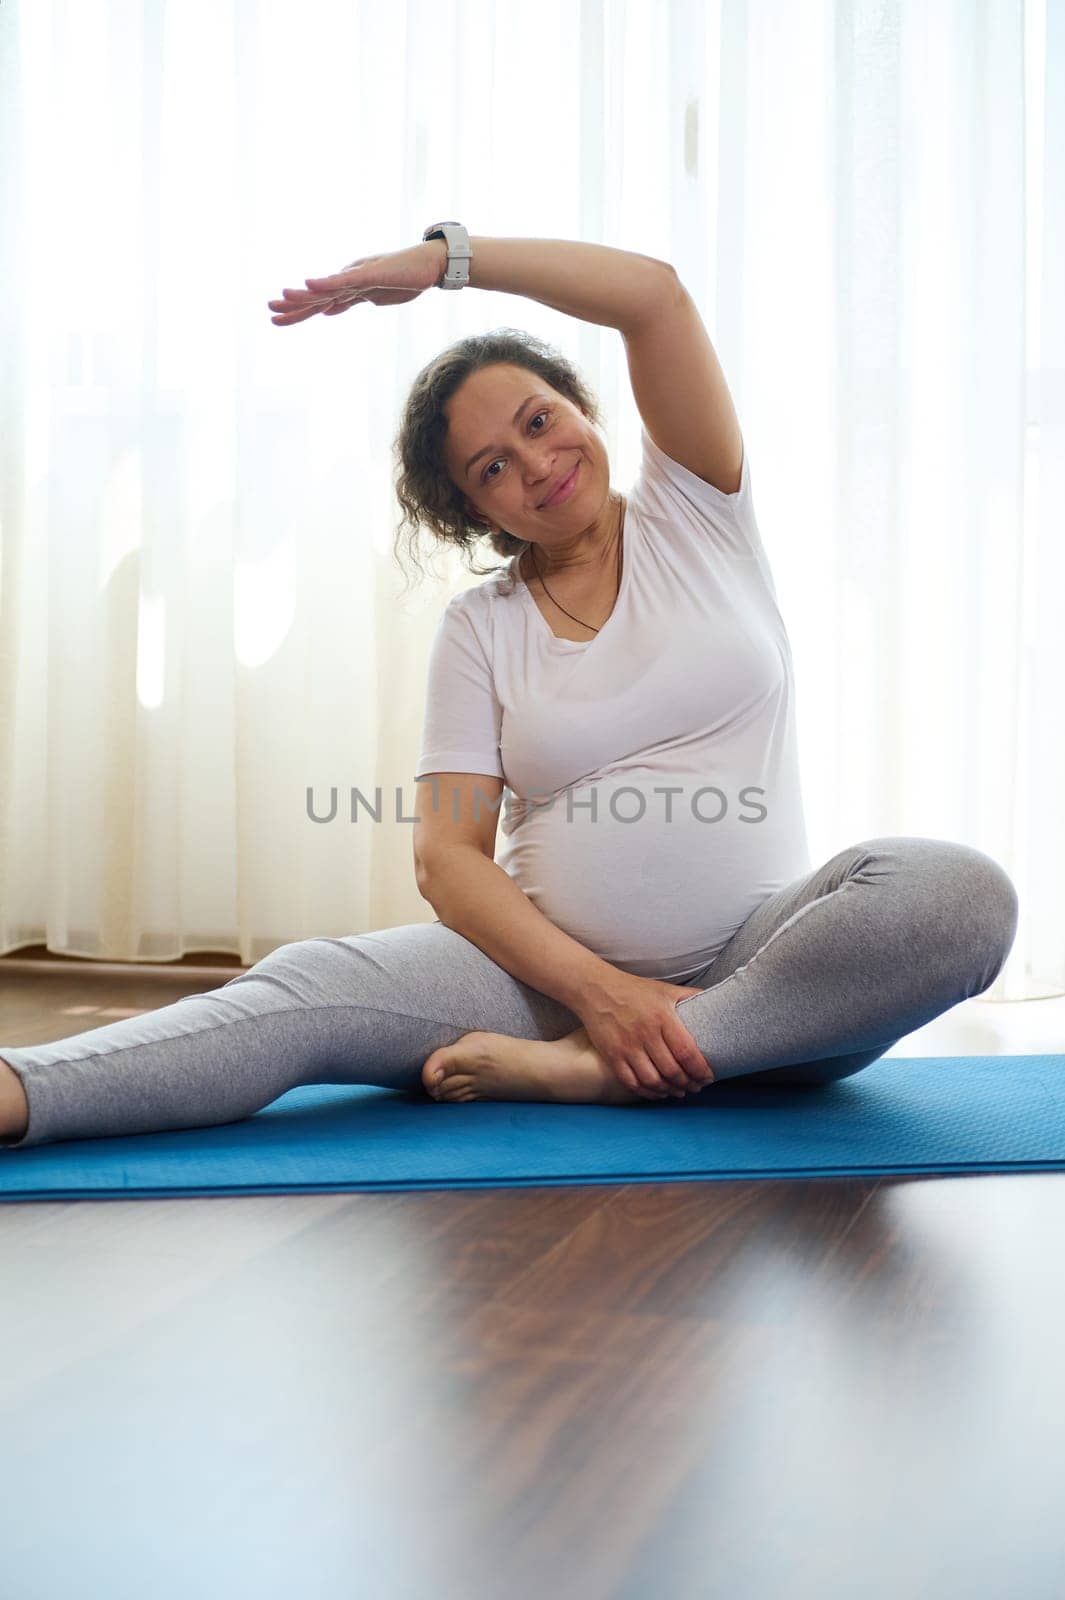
(200, 614)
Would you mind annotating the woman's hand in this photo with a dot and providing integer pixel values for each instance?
(388, 280)
(635, 1027)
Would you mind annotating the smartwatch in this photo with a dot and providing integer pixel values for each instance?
(459, 254)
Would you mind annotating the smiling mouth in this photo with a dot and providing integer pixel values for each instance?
(563, 488)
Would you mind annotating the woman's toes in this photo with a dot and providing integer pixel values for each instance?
(443, 1075)
(452, 1072)
(433, 1072)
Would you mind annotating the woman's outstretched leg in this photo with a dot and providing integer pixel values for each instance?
(368, 1009)
(829, 973)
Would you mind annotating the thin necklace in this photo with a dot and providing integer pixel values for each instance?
(550, 596)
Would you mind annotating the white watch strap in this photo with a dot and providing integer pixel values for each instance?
(459, 254)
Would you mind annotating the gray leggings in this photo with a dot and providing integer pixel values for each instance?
(824, 977)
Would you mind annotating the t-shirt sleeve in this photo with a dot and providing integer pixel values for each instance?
(665, 488)
(463, 716)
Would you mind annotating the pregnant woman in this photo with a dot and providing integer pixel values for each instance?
(654, 922)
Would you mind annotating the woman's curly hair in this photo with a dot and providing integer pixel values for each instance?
(424, 489)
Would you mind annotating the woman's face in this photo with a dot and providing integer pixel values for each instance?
(519, 460)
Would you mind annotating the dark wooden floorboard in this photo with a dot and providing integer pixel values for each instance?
(640, 1391)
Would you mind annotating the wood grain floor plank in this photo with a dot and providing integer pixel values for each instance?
(604, 1392)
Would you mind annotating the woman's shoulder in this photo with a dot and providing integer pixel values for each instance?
(483, 606)
(479, 597)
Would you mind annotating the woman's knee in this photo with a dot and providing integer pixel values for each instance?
(975, 904)
(999, 910)
(987, 888)
(297, 973)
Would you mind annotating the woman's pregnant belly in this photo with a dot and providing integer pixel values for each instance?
(656, 883)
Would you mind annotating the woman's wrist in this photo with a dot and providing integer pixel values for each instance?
(439, 249)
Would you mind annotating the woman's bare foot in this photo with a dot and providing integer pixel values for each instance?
(496, 1066)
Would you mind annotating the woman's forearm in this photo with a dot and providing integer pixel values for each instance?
(592, 282)
(479, 899)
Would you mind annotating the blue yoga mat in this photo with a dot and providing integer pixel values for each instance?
(923, 1114)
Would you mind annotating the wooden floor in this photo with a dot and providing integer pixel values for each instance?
(642, 1392)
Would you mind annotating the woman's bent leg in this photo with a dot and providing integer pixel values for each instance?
(367, 1008)
(13, 1110)
(833, 970)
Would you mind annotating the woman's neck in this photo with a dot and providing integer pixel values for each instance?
(592, 566)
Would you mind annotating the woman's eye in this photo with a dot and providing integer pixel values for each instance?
(484, 476)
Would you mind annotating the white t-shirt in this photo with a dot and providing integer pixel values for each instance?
(688, 686)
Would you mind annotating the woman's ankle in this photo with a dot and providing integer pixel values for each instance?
(14, 1108)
